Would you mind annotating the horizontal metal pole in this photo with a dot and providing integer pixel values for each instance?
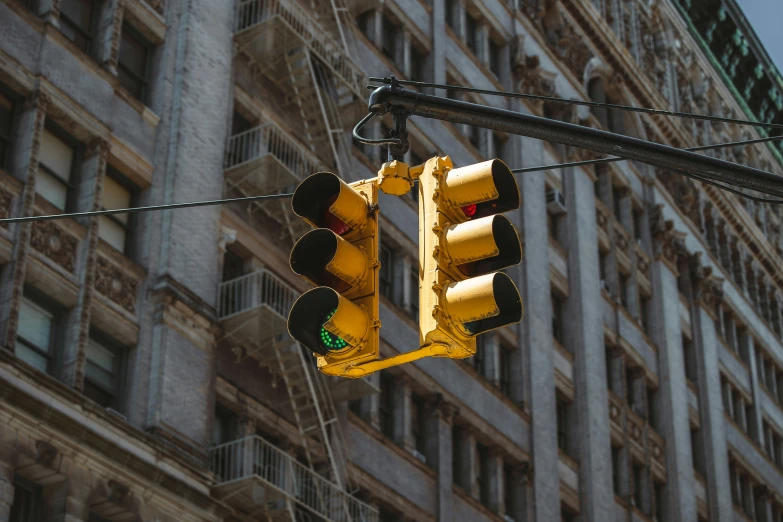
(389, 97)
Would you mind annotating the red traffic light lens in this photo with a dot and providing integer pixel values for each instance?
(332, 222)
(469, 210)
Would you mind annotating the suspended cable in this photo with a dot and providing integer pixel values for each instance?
(579, 102)
(143, 209)
(613, 159)
(731, 189)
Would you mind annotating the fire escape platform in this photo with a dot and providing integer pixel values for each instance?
(253, 311)
(267, 30)
(253, 476)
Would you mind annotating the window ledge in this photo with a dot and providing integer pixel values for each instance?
(460, 492)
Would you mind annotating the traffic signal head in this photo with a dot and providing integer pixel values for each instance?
(463, 241)
(337, 320)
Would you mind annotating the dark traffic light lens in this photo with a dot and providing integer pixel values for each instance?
(329, 340)
(469, 211)
(332, 222)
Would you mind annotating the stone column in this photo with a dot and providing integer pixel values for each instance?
(24, 161)
(108, 34)
(725, 251)
(537, 335)
(375, 28)
(402, 52)
(584, 335)
(679, 495)
(754, 421)
(439, 41)
(93, 172)
(705, 312)
(458, 21)
(438, 437)
(402, 430)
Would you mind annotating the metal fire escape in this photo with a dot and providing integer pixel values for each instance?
(292, 49)
(288, 46)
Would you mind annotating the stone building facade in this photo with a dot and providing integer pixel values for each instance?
(145, 370)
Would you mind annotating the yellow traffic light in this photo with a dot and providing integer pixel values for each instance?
(337, 320)
(463, 241)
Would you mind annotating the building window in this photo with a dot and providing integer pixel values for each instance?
(27, 499)
(77, 20)
(504, 370)
(482, 477)
(356, 407)
(624, 281)
(478, 359)
(115, 228)
(630, 394)
(418, 423)
(689, 358)
(386, 275)
(6, 128)
(419, 72)
(456, 456)
(223, 425)
(616, 469)
(413, 299)
(474, 136)
(103, 372)
(471, 32)
(562, 424)
(509, 499)
(386, 405)
(651, 413)
(610, 381)
(637, 225)
(494, 58)
(638, 473)
(133, 62)
(617, 195)
(56, 163)
(449, 12)
(389, 38)
(645, 313)
(36, 334)
(557, 318)
(658, 502)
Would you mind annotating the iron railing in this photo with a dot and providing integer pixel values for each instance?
(331, 53)
(260, 288)
(255, 458)
(265, 139)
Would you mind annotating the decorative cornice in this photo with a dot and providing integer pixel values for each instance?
(708, 287)
(669, 244)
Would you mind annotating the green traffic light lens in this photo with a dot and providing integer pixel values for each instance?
(329, 340)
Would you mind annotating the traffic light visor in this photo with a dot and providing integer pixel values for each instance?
(483, 245)
(482, 189)
(326, 201)
(483, 303)
(326, 259)
(325, 322)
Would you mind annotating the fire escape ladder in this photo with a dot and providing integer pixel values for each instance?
(328, 99)
(313, 420)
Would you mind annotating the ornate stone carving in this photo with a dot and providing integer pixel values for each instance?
(669, 244)
(45, 453)
(709, 287)
(55, 243)
(446, 410)
(115, 284)
(157, 5)
(532, 79)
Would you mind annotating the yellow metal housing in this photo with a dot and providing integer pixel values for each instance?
(324, 193)
(325, 259)
(481, 246)
(341, 256)
(394, 179)
(489, 184)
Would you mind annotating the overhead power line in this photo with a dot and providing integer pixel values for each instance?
(144, 209)
(613, 159)
(505, 94)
